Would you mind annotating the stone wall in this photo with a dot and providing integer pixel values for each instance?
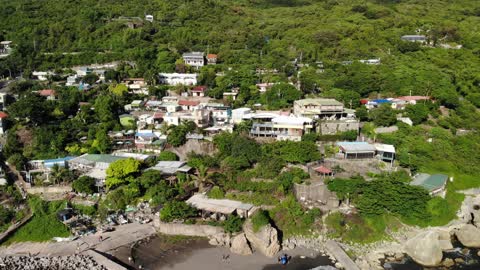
(334, 127)
(56, 189)
(188, 230)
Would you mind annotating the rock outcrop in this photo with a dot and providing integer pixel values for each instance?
(240, 245)
(220, 239)
(469, 236)
(265, 240)
(425, 248)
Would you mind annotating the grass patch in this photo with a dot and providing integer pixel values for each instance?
(359, 229)
(44, 224)
(260, 219)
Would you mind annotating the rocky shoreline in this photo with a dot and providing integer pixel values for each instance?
(78, 262)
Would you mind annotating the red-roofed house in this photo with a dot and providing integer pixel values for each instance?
(323, 171)
(188, 105)
(3, 117)
(211, 59)
(50, 94)
(199, 91)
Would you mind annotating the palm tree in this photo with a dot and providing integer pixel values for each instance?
(202, 178)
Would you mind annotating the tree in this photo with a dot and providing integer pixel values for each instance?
(280, 95)
(167, 156)
(31, 107)
(17, 160)
(105, 108)
(150, 178)
(121, 172)
(203, 178)
(418, 113)
(383, 116)
(361, 113)
(175, 210)
(119, 90)
(84, 184)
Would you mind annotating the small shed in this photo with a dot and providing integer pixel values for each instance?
(385, 152)
(323, 171)
(435, 183)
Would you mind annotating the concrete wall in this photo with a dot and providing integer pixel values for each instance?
(188, 230)
(317, 192)
(56, 189)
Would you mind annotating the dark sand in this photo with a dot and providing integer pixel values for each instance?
(162, 253)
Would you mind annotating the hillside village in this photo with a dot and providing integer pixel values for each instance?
(159, 153)
(355, 144)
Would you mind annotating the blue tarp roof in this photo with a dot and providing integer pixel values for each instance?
(381, 101)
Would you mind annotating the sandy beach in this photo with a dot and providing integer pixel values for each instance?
(188, 254)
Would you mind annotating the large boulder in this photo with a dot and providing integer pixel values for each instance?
(445, 240)
(240, 245)
(220, 239)
(425, 248)
(469, 236)
(265, 240)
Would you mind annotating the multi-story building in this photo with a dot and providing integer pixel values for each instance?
(178, 78)
(319, 108)
(283, 128)
(194, 59)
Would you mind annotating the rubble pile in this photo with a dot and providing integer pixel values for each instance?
(78, 262)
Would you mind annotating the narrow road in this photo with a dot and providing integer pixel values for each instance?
(123, 235)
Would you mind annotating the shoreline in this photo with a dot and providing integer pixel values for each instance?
(195, 253)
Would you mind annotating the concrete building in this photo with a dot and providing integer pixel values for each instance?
(356, 150)
(199, 91)
(415, 38)
(319, 108)
(283, 128)
(194, 59)
(239, 114)
(178, 78)
(3, 122)
(385, 152)
(212, 59)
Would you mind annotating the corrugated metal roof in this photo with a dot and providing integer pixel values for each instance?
(349, 147)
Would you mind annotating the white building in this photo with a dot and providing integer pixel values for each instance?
(239, 114)
(194, 59)
(178, 78)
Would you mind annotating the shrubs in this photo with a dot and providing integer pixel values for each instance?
(84, 184)
(167, 156)
(216, 193)
(176, 210)
(233, 224)
(260, 219)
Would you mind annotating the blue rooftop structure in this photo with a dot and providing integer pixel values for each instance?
(380, 101)
(62, 162)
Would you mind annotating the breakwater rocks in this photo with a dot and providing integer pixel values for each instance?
(78, 262)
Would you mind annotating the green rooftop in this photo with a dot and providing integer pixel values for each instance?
(106, 158)
(430, 182)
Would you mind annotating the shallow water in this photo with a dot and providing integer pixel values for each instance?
(297, 263)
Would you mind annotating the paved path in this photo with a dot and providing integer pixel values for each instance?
(339, 254)
(123, 235)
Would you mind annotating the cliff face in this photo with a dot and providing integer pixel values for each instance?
(195, 146)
